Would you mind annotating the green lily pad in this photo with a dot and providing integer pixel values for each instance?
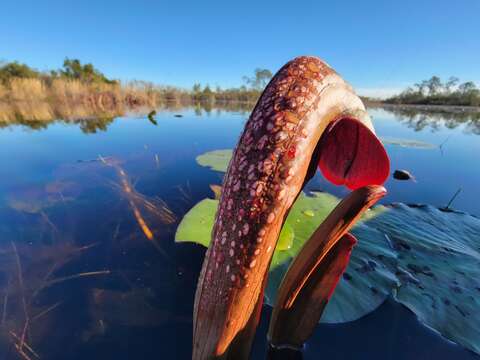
(439, 268)
(216, 160)
(425, 258)
(197, 224)
(408, 143)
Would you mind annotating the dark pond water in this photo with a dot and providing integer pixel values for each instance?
(76, 265)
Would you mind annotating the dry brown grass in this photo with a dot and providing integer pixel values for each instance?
(44, 100)
(27, 90)
(3, 91)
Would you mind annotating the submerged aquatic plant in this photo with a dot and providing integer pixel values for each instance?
(306, 117)
(31, 270)
(137, 201)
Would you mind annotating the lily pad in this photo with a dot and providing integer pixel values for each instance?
(407, 143)
(439, 262)
(197, 224)
(425, 258)
(216, 160)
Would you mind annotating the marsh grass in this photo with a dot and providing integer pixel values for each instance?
(45, 99)
(30, 271)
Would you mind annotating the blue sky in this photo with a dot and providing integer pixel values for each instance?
(378, 46)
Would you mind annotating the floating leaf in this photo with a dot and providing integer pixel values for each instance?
(407, 143)
(197, 224)
(216, 160)
(439, 268)
(427, 259)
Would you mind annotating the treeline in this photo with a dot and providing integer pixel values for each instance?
(72, 70)
(247, 93)
(436, 92)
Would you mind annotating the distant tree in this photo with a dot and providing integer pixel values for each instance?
(421, 86)
(259, 80)
(15, 69)
(434, 85)
(73, 69)
(434, 92)
(451, 83)
(467, 87)
(197, 91)
(197, 88)
(207, 94)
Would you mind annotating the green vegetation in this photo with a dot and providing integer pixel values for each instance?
(16, 70)
(247, 93)
(216, 160)
(72, 69)
(436, 92)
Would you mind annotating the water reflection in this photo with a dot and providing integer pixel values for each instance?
(88, 125)
(416, 117)
(420, 118)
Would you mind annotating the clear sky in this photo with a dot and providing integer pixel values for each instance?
(378, 46)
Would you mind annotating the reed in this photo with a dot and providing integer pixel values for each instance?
(45, 99)
(21, 89)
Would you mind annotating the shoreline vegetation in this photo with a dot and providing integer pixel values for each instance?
(80, 93)
(435, 92)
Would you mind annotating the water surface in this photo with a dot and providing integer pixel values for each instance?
(98, 286)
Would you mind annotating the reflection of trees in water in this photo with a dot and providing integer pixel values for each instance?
(91, 126)
(418, 118)
(32, 124)
(88, 126)
(222, 106)
(421, 118)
